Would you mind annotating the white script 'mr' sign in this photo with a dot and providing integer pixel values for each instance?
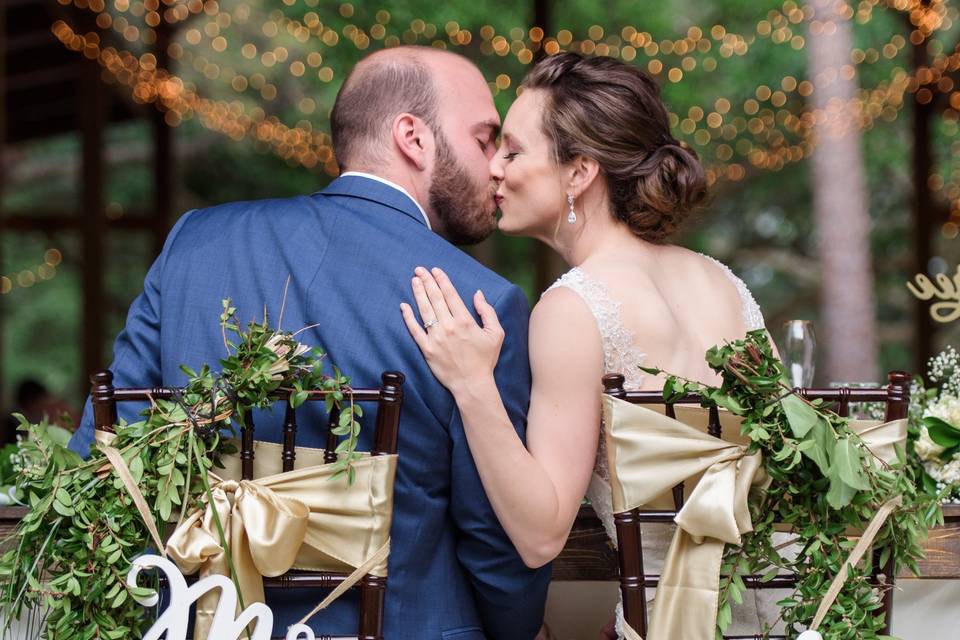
(172, 623)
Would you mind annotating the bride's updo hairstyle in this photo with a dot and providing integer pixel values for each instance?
(610, 111)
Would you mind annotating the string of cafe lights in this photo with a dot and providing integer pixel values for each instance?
(496, 44)
(26, 278)
(150, 84)
(284, 140)
(629, 44)
(523, 44)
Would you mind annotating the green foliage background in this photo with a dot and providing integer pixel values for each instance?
(761, 226)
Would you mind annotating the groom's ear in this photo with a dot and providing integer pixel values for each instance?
(414, 140)
(582, 171)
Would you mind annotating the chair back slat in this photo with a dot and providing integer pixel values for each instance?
(246, 447)
(843, 407)
(713, 424)
(388, 413)
(633, 581)
(289, 438)
(678, 496)
(389, 399)
(330, 449)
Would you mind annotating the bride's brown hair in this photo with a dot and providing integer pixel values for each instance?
(612, 112)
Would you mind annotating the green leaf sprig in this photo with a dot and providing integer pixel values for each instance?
(70, 554)
(824, 483)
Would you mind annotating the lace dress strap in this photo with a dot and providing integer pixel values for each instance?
(752, 316)
(619, 353)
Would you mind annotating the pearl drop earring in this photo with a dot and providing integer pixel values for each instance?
(572, 216)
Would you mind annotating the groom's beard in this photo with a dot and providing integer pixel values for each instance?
(463, 209)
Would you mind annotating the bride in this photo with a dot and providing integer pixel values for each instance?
(588, 166)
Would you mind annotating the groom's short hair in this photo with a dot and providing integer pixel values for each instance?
(380, 88)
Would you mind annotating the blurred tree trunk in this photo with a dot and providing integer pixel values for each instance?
(841, 214)
(548, 265)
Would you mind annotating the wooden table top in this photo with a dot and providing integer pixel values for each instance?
(589, 555)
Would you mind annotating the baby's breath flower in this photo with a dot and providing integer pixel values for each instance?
(941, 401)
(944, 369)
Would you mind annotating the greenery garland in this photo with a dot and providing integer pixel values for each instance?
(824, 482)
(72, 551)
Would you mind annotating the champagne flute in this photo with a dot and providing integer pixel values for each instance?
(797, 351)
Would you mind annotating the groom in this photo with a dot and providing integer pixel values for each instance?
(413, 130)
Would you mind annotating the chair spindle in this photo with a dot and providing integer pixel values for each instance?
(388, 413)
(103, 401)
(713, 426)
(843, 409)
(613, 385)
(678, 496)
(898, 391)
(330, 450)
(289, 438)
(632, 579)
(246, 447)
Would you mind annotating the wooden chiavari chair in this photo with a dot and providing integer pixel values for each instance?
(389, 400)
(633, 580)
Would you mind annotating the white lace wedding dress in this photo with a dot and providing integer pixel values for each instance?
(621, 354)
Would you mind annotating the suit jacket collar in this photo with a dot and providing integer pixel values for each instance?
(375, 191)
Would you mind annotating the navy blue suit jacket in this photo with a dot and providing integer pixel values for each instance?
(350, 252)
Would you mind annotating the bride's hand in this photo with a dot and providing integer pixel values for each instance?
(459, 351)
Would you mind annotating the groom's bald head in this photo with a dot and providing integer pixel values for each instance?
(425, 120)
(382, 86)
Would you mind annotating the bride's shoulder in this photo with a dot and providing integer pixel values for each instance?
(563, 329)
(736, 289)
(564, 308)
(695, 261)
(697, 269)
(563, 297)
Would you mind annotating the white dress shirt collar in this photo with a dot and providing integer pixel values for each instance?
(390, 184)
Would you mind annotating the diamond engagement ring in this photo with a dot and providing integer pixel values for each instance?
(429, 323)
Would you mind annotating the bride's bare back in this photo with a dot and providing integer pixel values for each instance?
(675, 304)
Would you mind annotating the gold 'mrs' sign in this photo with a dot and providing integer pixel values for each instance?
(945, 289)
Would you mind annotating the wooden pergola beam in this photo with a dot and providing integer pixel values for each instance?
(92, 120)
(162, 151)
(4, 437)
(52, 75)
(923, 211)
(28, 40)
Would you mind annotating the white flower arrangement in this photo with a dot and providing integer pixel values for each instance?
(935, 425)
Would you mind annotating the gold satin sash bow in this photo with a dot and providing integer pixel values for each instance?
(648, 454)
(300, 520)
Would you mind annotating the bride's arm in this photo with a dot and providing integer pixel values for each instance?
(535, 490)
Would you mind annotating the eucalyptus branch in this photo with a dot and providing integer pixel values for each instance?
(85, 507)
(824, 480)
